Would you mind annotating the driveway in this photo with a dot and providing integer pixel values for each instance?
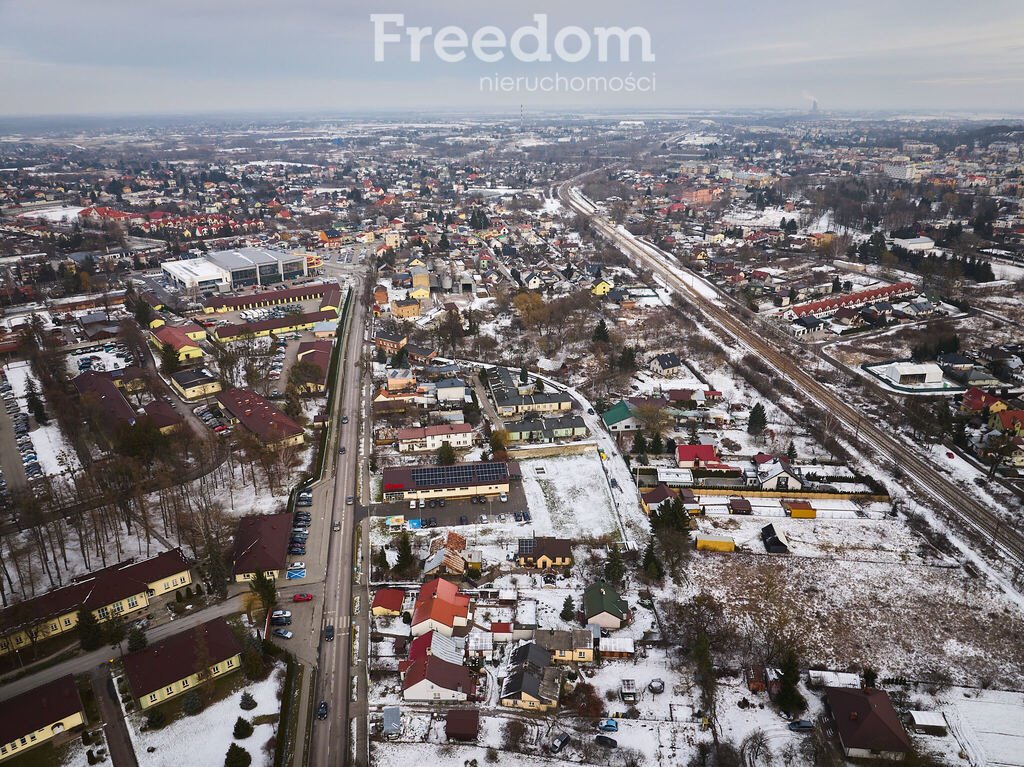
(119, 743)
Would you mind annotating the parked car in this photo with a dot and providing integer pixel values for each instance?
(608, 725)
(560, 741)
(302, 598)
(321, 710)
(297, 566)
(412, 504)
(463, 520)
(483, 519)
(283, 633)
(503, 497)
(517, 516)
(526, 516)
(604, 740)
(801, 725)
(280, 621)
(440, 502)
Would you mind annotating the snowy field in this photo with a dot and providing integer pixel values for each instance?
(204, 739)
(568, 496)
(54, 454)
(987, 724)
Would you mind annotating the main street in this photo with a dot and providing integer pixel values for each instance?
(986, 523)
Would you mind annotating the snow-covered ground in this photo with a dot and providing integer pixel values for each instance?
(986, 724)
(568, 495)
(204, 739)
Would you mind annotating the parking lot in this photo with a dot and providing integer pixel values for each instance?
(461, 511)
(102, 356)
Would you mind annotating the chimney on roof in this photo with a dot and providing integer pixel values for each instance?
(853, 716)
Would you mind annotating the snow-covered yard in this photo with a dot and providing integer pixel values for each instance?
(204, 739)
(569, 495)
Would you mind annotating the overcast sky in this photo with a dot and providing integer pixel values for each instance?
(186, 56)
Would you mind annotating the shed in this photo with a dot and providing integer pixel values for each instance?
(800, 510)
(740, 506)
(392, 721)
(929, 722)
(628, 691)
(775, 541)
(714, 542)
(462, 723)
(616, 647)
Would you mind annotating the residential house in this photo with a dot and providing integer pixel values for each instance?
(775, 473)
(460, 436)
(602, 606)
(547, 429)
(575, 646)
(432, 678)
(39, 715)
(406, 308)
(179, 339)
(1008, 421)
(867, 724)
(440, 607)
(194, 383)
(703, 457)
(451, 391)
(388, 342)
(667, 365)
(182, 662)
(387, 602)
(619, 418)
(544, 553)
(530, 682)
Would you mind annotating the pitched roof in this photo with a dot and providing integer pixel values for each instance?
(261, 543)
(96, 589)
(618, 412)
(462, 723)
(602, 598)
(179, 656)
(690, 453)
(38, 708)
(389, 599)
(866, 719)
(175, 337)
(442, 673)
(257, 415)
(440, 601)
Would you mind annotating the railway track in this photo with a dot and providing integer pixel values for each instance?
(915, 469)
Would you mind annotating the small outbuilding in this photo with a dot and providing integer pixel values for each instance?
(714, 543)
(929, 722)
(775, 541)
(462, 724)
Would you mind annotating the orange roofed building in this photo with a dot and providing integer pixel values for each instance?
(440, 607)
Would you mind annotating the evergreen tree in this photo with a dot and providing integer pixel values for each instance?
(237, 757)
(655, 446)
(243, 729)
(136, 639)
(791, 452)
(692, 437)
(523, 376)
(614, 568)
(405, 559)
(247, 703)
(789, 698)
(568, 610)
(169, 362)
(446, 454)
(90, 634)
(758, 421)
(639, 443)
(653, 568)
(670, 446)
(600, 335)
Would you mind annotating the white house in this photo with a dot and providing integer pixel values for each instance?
(430, 438)
(451, 390)
(432, 678)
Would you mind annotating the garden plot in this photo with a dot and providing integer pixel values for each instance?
(904, 619)
(203, 739)
(988, 725)
(854, 539)
(569, 496)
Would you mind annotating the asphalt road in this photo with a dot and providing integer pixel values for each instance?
(987, 525)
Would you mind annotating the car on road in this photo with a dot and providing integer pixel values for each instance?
(801, 725)
(349, 500)
(342, 450)
(297, 566)
(321, 710)
(344, 419)
(608, 725)
(283, 633)
(503, 497)
(604, 740)
(329, 632)
(336, 526)
(302, 598)
(559, 742)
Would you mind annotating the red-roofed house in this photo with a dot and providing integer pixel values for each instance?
(440, 607)
(270, 425)
(1009, 421)
(432, 678)
(388, 602)
(178, 339)
(696, 456)
(976, 400)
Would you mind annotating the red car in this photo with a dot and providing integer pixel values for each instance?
(302, 598)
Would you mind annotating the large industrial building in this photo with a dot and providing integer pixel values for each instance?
(234, 269)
